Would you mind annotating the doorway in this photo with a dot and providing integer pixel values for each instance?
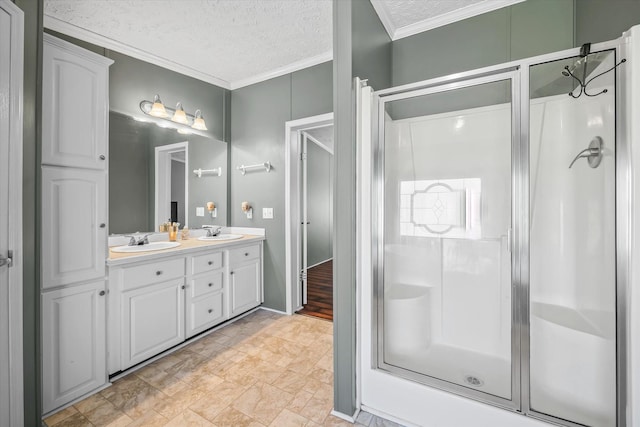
(171, 183)
(317, 131)
(316, 207)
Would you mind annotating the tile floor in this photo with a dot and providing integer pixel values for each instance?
(265, 369)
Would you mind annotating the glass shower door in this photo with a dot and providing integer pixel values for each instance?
(572, 241)
(444, 240)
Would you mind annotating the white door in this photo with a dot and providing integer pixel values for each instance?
(11, 45)
(73, 343)
(304, 225)
(245, 287)
(74, 234)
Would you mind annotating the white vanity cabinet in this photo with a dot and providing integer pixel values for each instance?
(75, 105)
(73, 343)
(205, 292)
(151, 309)
(245, 278)
(159, 301)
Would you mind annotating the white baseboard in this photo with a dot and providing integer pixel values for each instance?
(274, 310)
(351, 419)
(387, 416)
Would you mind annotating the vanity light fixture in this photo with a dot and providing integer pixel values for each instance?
(157, 108)
(177, 115)
(180, 116)
(198, 121)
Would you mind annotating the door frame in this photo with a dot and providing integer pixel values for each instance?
(163, 175)
(293, 129)
(305, 138)
(15, 362)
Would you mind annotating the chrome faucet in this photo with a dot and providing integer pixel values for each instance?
(144, 240)
(212, 231)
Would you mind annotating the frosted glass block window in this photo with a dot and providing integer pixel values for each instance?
(446, 207)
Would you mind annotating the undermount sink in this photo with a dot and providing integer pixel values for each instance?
(153, 246)
(222, 237)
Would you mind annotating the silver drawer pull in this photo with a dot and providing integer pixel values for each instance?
(210, 311)
(246, 254)
(159, 272)
(210, 284)
(210, 263)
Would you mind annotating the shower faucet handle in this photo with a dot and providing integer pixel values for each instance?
(593, 153)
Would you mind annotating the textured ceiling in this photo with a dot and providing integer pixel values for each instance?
(231, 40)
(233, 43)
(408, 12)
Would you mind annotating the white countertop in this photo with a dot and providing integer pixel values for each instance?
(188, 246)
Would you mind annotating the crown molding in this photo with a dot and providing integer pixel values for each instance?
(438, 21)
(296, 66)
(56, 24)
(384, 16)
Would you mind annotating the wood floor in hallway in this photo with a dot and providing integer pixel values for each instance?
(319, 291)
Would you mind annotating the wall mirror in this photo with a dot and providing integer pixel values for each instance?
(152, 166)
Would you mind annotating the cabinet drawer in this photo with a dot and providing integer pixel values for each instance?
(207, 262)
(205, 284)
(244, 254)
(206, 312)
(141, 275)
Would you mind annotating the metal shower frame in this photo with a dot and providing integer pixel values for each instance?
(518, 73)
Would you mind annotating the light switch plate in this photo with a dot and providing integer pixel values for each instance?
(267, 213)
(200, 211)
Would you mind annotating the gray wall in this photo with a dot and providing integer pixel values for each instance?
(602, 20)
(258, 116)
(177, 188)
(31, 211)
(129, 191)
(361, 47)
(319, 204)
(526, 29)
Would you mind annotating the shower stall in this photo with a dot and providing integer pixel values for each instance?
(499, 235)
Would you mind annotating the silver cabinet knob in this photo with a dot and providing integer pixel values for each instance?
(102, 157)
(246, 254)
(102, 293)
(231, 272)
(159, 272)
(210, 311)
(183, 286)
(210, 284)
(103, 225)
(210, 263)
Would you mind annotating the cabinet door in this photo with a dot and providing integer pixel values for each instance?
(73, 226)
(152, 321)
(245, 281)
(75, 106)
(73, 343)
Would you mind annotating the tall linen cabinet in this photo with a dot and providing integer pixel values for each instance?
(74, 229)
